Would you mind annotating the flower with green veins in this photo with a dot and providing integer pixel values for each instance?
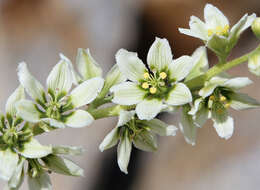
(217, 96)
(17, 142)
(141, 133)
(254, 63)
(156, 86)
(216, 32)
(57, 107)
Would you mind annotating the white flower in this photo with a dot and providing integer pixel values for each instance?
(154, 87)
(58, 107)
(17, 141)
(254, 64)
(216, 32)
(141, 133)
(217, 95)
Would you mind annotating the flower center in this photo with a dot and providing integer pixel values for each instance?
(221, 99)
(155, 83)
(219, 30)
(53, 110)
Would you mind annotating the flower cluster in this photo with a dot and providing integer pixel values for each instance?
(135, 91)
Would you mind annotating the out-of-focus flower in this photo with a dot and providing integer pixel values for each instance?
(216, 32)
(156, 86)
(141, 133)
(217, 96)
(17, 143)
(58, 107)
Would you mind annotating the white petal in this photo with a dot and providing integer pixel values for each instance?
(214, 17)
(16, 180)
(160, 128)
(160, 54)
(127, 93)
(241, 101)
(17, 95)
(60, 78)
(211, 85)
(114, 77)
(188, 127)
(110, 140)
(33, 149)
(244, 23)
(31, 85)
(8, 163)
(237, 83)
(200, 63)
(130, 65)
(148, 109)
(123, 152)
(68, 150)
(180, 67)
(179, 95)
(87, 66)
(197, 29)
(62, 166)
(75, 76)
(78, 119)
(146, 141)
(201, 116)
(86, 92)
(196, 106)
(124, 117)
(225, 129)
(28, 111)
(53, 123)
(41, 182)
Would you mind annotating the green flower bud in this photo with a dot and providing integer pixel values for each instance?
(256, 27)
(254, 63)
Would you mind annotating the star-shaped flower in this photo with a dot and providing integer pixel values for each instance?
(215, 31)
(17, 143)
(154, 86)
(217, 96)
(58, 106)
(141, 133)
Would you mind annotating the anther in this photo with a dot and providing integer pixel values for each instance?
(146, 75)
(212, 97)
(223, 98)
(163, 75)
(153, 90)
(145, 85)
(227, 105)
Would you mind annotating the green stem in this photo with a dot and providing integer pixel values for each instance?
(109, 111)
(198, 82)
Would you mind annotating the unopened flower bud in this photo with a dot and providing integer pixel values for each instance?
(254, 64)
(256, 27)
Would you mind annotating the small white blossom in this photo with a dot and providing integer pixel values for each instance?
(156, 86)
(140, 133)
(58, 107)
(215, 31)
(217, 96)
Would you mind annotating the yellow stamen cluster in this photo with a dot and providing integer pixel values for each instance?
(227, 105)
(152, 82)
(219, 30)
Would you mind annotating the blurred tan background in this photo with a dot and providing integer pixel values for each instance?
(35, 31)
